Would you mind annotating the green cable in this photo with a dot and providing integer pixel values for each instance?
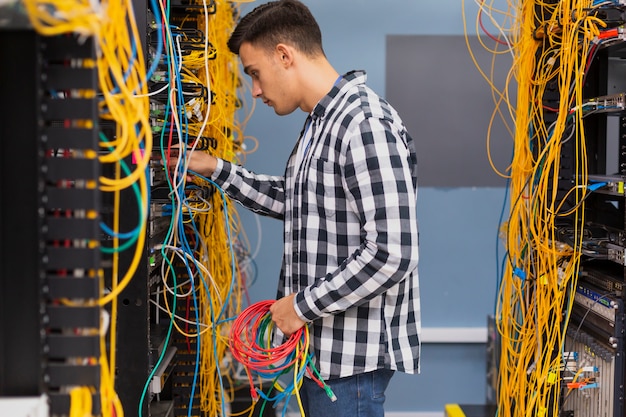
(135, 187)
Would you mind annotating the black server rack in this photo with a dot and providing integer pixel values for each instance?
(594, 368)
(48, 229)
(48, 219)
(561, 302)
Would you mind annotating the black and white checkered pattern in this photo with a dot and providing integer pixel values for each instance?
(351, 233)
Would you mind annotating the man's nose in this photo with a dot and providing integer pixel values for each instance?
(256, 90)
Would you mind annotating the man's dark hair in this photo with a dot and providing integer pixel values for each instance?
(282, 21)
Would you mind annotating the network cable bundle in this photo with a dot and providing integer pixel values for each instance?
(192, 108)
(252, 342)
(142, 268)
(560, 302)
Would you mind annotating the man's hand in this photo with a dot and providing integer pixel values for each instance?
(199, 161)
(285, 317)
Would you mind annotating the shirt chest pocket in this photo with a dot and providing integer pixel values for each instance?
(324, 188)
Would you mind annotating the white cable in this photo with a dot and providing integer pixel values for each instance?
(487, 12)
(200, 266)
(178, 317)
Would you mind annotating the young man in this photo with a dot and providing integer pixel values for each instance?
(348, 201)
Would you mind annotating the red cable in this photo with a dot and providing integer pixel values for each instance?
(249, 343)
(492, 37)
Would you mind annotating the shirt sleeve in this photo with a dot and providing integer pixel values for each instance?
(263, 194)
(379, 176)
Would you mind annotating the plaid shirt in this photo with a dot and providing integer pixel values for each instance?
(351, 233)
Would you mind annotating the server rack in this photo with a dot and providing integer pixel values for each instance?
(561, 302)
(48, 220)
(50, 227)
(594, 344)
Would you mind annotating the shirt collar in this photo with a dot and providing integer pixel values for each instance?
(347, 82)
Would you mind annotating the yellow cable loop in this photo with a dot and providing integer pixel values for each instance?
(499, 97)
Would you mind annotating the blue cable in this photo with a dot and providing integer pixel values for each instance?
(596, 185)
(134, 234)
(214, 319)
(230, 241)
(159, 51)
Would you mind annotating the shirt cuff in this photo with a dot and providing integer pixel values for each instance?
(219, 167)
(305, 311)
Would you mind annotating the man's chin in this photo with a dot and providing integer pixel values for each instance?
(283, 112)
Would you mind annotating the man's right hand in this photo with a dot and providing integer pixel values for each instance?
(199, 161)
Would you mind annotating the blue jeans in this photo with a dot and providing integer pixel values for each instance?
(360, 395)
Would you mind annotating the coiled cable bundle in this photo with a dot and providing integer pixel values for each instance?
(250, 343)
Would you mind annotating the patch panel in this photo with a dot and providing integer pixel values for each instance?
(591, 386)
(609, 103)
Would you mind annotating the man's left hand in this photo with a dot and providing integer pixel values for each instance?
(285, 317)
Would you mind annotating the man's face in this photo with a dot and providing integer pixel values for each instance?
(270, 78)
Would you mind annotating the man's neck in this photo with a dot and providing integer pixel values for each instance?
(318, 78)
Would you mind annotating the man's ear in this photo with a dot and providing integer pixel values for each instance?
(284, 54)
